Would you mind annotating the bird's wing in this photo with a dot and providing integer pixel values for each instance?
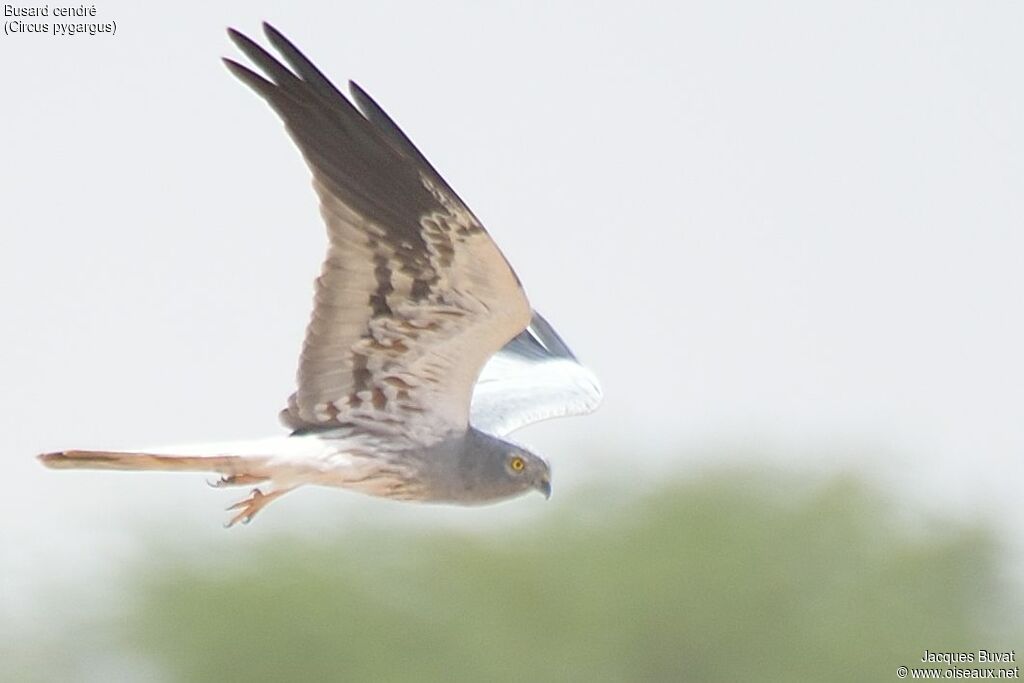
(413, 297)
(534, 377)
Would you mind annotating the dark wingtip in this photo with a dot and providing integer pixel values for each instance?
(549, 338)
(268, 29)
(285, 46)
(359, 95)
(272, 33)
(243, 72)
(236, 36)
(262, 86)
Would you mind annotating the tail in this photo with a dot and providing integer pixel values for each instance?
(112, 460)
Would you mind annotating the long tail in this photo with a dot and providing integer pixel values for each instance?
(113, 460)
(235, 470)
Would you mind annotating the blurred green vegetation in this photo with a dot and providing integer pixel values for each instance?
(725, 578)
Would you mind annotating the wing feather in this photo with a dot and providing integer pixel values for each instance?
(413, 296)
(532, 378)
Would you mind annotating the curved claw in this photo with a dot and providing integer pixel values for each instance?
(256, 501)
(235, 480)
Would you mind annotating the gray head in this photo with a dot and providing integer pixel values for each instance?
(487, 469)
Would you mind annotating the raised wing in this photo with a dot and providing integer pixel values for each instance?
(413, 297)
(534, 377)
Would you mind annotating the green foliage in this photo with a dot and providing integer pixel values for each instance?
(730, 578)
(711, 580)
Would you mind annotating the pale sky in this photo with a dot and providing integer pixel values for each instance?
(787, 228)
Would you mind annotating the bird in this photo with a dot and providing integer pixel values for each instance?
(422, 352)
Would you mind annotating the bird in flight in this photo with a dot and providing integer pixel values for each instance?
(422, 352)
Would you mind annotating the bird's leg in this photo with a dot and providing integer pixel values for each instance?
(256, 501)
(237, 480)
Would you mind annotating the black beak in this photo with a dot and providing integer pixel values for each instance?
(544, 486)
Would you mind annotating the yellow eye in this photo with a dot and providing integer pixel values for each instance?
(517, 464)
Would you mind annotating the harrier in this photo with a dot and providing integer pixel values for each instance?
(422, 353)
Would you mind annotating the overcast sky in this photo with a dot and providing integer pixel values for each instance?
(782, 227)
